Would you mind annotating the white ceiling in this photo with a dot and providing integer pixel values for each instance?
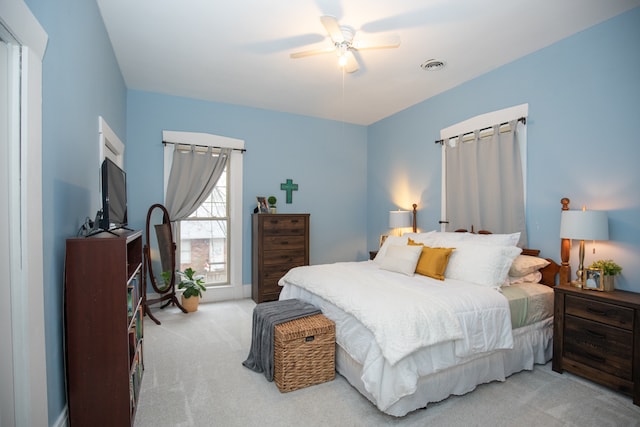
(237, 51)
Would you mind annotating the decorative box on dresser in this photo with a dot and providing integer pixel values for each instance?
(103, 327)
(279, 243)
(596, 335)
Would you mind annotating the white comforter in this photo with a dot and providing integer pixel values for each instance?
(419, 325)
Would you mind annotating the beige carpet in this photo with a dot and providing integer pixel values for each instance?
(194, 377)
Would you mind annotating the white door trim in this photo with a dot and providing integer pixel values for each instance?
(27, 291)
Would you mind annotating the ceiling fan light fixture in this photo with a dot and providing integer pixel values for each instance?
(432, 65)
(344, 44)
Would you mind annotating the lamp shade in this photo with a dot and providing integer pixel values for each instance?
(399, 219)
(584, 225)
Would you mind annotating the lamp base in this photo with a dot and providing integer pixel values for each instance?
(576, 283)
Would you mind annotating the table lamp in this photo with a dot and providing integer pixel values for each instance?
(583, 225)
(399, 219)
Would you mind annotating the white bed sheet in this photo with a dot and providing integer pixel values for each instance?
(386, 382)
(533, 344)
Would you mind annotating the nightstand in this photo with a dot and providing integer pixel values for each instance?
(596, 335)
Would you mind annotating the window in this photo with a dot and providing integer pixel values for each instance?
(480, 122)
(229, 240)
(202, 239)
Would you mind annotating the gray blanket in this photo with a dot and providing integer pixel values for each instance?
(266, 316)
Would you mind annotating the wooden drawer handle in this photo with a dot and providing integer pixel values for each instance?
(601, 312)
(596, 335)
(596, 358)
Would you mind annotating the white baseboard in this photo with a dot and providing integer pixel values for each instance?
(246, 292)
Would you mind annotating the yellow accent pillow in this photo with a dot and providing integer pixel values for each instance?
(433, 262)
(412, 242)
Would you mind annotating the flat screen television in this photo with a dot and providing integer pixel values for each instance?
(114, 196)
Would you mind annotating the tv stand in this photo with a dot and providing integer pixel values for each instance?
(103, 318)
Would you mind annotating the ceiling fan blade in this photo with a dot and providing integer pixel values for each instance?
(352, 63)
(333, 28)
(381, 42)
(305, 53)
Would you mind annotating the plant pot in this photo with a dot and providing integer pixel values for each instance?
(273, 209)
(190, 304)
(609, 283)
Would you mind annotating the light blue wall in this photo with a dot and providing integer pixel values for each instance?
(582, 94)
(81, 81)
(327, 160)
(582, 132)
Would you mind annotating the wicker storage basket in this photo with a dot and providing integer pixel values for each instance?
(304, 352)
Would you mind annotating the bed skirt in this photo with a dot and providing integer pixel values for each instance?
(533, 344)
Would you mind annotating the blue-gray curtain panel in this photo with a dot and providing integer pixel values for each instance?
(484, 183)
(193, 176)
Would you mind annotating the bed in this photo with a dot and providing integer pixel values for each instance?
(410, 332)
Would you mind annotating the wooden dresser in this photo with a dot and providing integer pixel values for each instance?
(597, 335)
(279, 243)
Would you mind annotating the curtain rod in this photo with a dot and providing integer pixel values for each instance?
(441, 141)
(242, 150)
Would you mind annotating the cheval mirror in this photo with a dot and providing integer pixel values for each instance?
(159, 261)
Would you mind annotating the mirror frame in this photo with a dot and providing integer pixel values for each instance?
(167, 294)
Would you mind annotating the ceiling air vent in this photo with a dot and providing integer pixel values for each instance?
(432, 65)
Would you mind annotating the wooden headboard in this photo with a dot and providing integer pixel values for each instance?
(549, 272)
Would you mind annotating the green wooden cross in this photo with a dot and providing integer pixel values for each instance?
(289, 187)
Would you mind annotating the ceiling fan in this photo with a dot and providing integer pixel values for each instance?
(345, 43)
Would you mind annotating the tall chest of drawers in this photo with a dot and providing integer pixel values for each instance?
(279, 243)
(597, 335)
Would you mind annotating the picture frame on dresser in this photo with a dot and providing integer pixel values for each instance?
(262, 204)
(594, 279)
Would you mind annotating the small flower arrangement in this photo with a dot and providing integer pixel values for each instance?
(608, 267)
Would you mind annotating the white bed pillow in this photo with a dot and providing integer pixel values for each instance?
(449, 239)
(526, 264)
(389, 241)
(485, 265)
(423, 238)
(534, 277)
(401, 259)
(444, 239)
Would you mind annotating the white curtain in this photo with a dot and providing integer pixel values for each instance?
(484, 183)
(193, 176)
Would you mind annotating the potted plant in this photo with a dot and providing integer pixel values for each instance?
(272, 204)
(193, 287)
(609, 269)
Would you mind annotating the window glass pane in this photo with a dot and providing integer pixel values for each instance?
(215, 206)
(204, 237)
(185, 252)
(207, 241)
